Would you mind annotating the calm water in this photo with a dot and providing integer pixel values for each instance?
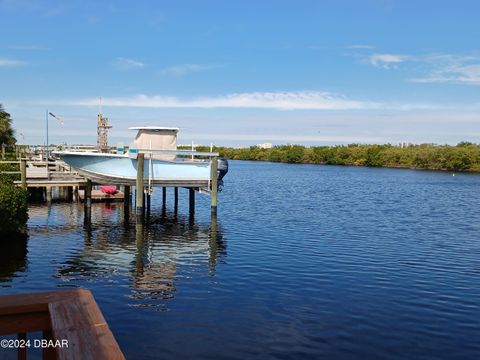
(304, 262)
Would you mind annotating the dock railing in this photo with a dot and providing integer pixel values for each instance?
(6, 162)
(31, 169)
(22, 168)
(51, 167)
(71, 323)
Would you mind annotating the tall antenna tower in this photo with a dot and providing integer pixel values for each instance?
(102, 131)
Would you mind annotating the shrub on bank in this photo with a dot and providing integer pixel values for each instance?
(8, 178)
(13, 208)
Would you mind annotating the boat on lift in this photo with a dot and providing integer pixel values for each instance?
(164, 164)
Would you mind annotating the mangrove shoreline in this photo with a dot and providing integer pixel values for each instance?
(464, 157)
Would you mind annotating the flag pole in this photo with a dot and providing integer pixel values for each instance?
(46, 123)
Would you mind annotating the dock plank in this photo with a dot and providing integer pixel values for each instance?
(37, 172)
(88, 334)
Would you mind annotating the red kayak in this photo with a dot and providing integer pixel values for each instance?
(109, 189)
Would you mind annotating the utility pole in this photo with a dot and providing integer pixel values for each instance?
(46, 144)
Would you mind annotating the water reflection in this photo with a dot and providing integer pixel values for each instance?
(152, 280)
(217, 245)
(13, 257)
(148, 259)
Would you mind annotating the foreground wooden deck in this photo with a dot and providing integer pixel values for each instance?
(69, 317)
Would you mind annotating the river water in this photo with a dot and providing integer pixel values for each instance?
(304, 261)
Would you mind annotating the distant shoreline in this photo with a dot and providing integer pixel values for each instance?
(464, 157)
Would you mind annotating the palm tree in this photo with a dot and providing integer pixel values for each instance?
(7, 137)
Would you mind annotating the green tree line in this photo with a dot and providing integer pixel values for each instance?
(462, 157)
(13, 199)
(7, 137)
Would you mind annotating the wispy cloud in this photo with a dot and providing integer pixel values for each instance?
(184, 69)
(449, 68)
(360, 46)
(387, 61)
(302, 100)
(437, 67)
(295, 139)
(4, 62)
(127, 64)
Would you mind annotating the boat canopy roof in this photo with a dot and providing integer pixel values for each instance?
(156, 138)
(154, 128)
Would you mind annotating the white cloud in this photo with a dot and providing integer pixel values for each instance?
(379, 125)
(127, 64)
(360, 46)
(302, 100)
(183, 69)
(387, 61)
(294, 139)
(11, 63)
(437, 67)
(296, 100)
(448, 68)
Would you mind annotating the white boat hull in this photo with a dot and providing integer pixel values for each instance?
(122, 169)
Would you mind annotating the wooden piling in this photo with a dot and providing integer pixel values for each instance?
(48, 194)
(126, 206)
(88, 193)
(176, 199)
(126, 195)
(60, 193)
(191, 201)
(139, 186)
(214, 177)
(87, 204)
(164, 196)
(70, 193)
(23, 172)
(75, 194)
(148, 202)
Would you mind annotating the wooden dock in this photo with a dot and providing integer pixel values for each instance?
(70, 321)
(46, 175)
(33, 183)
(99, 195)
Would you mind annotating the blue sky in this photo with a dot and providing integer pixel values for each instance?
(244, 72)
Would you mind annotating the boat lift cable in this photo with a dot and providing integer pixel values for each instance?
(150, 171)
